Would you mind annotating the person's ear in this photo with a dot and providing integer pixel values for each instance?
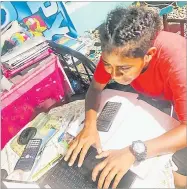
(151, 51)
(149, 55)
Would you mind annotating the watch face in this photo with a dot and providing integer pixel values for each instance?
(139, 148)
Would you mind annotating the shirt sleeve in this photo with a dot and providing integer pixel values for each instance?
(100, 74)
(177, 82)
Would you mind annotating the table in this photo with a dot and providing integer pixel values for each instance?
(159, 173)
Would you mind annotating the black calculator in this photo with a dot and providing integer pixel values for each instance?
(27, 159)
(107, 115)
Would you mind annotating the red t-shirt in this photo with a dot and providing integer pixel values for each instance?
(166, 75)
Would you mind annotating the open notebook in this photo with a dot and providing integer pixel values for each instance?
(136, 120)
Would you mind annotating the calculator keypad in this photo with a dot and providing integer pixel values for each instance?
(107, 115)
(28, 156)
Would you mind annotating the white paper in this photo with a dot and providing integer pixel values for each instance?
(128, 101)
(143, 123)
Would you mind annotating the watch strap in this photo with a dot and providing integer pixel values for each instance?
(139, 156)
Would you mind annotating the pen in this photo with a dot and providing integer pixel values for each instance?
(36, 162)
(48, 166)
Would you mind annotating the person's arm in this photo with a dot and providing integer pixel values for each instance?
(89, 134)
(118, 162)
(174, 139)
(169, 142)
(92, 102)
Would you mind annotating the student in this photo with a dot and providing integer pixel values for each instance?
(135, 51)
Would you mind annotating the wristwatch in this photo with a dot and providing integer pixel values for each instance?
(139, 150)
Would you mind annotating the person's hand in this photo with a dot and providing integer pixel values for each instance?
(87, 137)
(116, 164)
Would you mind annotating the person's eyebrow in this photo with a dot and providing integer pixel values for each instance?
(125, 66)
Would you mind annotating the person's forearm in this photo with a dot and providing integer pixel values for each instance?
(170, 142)
(92, 103)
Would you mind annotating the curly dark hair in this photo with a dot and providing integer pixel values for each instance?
(132, 30)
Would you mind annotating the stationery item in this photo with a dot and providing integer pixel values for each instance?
(29, 155)
(46, 168)
(38, 122)
(37, 161)
(26, 135)
(66, 140)
(26, 46)
(50, 134)
(64, 143)
(127, 99)
(106, 117)
(22, 58)
(66, 129)
(7, 47)
(70, 42)
(51, 124)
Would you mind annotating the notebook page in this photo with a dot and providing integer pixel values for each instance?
(145, 122)
(128, 100)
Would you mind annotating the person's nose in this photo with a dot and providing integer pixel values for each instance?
(115, 73)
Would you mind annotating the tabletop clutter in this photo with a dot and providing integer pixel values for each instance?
(33, 80)
(52, 129)
(39, 88)
(49, 134)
